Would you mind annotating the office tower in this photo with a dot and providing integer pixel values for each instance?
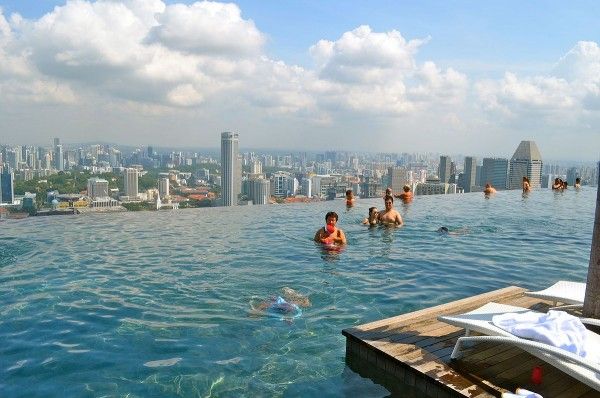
(130, 182)
(150, 151)
(495, 172)
(280, 186)
(397, 178)
(58, 157)
(259, 191)
(256, 167)
(307, 187)
(526, 162)
(231, 181)
(163, 187)
(444, 170)
(56, 142)
(97, 188)
(469, 173)
(7, 194)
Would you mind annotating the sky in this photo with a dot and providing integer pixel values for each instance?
(456, 77)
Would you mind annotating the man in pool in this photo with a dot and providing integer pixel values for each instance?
(390, 216)
(330, 234)
(406, 196)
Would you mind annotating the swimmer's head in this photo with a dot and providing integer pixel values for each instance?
(443, 230)
(373, 210)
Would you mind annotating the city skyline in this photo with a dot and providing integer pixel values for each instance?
(385, 77)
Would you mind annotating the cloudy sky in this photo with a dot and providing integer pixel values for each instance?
(453, 77)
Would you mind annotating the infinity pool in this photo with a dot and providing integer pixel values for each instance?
(159, 303)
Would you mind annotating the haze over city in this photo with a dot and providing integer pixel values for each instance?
(383, 76)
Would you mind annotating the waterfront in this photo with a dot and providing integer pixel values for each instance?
(158, 304)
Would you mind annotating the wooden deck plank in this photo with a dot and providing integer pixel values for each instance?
(414, 350)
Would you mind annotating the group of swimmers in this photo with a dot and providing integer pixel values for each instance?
(331, 235)
(560, 185)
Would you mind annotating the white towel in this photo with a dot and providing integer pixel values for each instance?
(556, 328)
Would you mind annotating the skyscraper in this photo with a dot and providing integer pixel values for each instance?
(259, 191)
(526, 162)
(397, 178)
(7, 194)
(495, 172)
(445, 170)
(59, 162)
(163, 187)
(231, 181)
(130, 182)
(469, 173)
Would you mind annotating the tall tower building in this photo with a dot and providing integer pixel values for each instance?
(495, 172)
(56, 142)
(445, 169)
(526, 162)
(163, 187)
(397, 178)
(469, 173)
(7, 190)
(130, 182)
(59, 161)
(231, 170)
(260, 191)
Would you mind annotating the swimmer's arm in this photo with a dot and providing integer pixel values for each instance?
(341, 239)
(399, 219)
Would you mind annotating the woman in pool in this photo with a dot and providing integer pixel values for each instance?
(526, 185)
(330, 234)
(373, 218)
(349, 198)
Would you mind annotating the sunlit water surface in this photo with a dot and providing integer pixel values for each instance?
(159, 303)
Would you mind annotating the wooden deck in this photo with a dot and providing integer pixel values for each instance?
(410, 355)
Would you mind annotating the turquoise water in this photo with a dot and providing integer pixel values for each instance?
(159, 303)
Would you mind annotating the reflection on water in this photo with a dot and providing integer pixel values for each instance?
(158, 303)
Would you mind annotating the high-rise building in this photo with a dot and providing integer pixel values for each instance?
(59, 162)
(163, 187)
(259, 191)
(130, 182)
(97, 188)
(397, 178)
(56, 142)
(469, 173)
(445, 169)
(526, 162)
(7, 194)
(307, 187)
(495, 172)
(231, 181)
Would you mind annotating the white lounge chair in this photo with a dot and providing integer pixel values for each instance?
(480, 320)
(570, 293)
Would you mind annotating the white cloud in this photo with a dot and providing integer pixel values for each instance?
(207, 28)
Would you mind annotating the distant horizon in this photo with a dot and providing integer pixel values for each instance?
(243, 149)
(382, 77)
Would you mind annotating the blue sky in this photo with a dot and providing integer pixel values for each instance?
(511, 69)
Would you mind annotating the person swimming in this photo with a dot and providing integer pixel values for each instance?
(349, 198)
(373, 218)
(443, 230)
(330, 234)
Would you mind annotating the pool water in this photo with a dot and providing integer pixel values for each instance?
(161, 303)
